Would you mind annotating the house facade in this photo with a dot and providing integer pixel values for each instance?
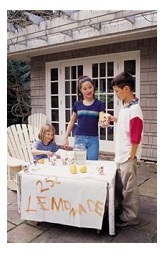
(99, 44)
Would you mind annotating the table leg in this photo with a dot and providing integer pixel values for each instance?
(111, 209)
(18, 181)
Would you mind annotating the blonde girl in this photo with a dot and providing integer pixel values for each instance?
(45, 146)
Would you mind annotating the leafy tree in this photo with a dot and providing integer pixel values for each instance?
(18, 91)
(18, 72)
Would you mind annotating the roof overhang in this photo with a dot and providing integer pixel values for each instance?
(92, 29)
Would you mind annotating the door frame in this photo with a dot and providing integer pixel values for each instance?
(117, 58)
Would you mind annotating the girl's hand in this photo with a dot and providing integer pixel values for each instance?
(104, 124)
(50, 154)
(66, 144)
(103, 120)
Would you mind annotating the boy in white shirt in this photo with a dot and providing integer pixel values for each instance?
(129, 129)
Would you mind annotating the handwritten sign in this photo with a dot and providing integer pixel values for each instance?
(62, 200)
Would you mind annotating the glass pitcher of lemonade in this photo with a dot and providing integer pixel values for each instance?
(80, 154)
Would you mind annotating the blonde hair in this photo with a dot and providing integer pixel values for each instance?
(46, 128)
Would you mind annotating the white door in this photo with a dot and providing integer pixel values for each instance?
(61, 93)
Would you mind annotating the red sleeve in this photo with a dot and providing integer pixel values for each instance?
(136, 128)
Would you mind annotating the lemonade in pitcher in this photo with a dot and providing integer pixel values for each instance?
(80, 154)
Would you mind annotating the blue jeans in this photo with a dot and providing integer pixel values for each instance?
(91, 143)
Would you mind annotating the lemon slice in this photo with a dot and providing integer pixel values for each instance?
(41, 161)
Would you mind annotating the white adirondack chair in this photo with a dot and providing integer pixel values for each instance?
(37, 120)
(20, 138)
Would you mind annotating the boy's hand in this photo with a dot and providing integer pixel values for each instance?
(112, 118)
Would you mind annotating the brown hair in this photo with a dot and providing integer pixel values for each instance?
(123, 79)
(46, 128)
(81, 80)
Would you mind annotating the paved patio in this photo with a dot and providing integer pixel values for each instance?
(19, 231)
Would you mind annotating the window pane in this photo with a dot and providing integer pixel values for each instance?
(55, 115)
(67, 101)
(67, 87)
(54, 74)
(54, 101)
(109, 87)
(56, 126)
(110, 69)
(110, 101)
(110, 133)
(80, 70)
(73, 72)
(67, 72)
(74, 87)
(95, 70)
(102, 69)
(74, 98)
(68, 115)
(54, 88)
(129, 66)
(102, 85)
(111, 113)
(102, 133)
(103, 97)
(96, 84)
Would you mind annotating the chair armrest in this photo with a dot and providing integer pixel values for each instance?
(14, 162)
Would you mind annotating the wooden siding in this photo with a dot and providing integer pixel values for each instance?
(148, 83)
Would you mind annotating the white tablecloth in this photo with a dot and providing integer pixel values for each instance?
(53, 194)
